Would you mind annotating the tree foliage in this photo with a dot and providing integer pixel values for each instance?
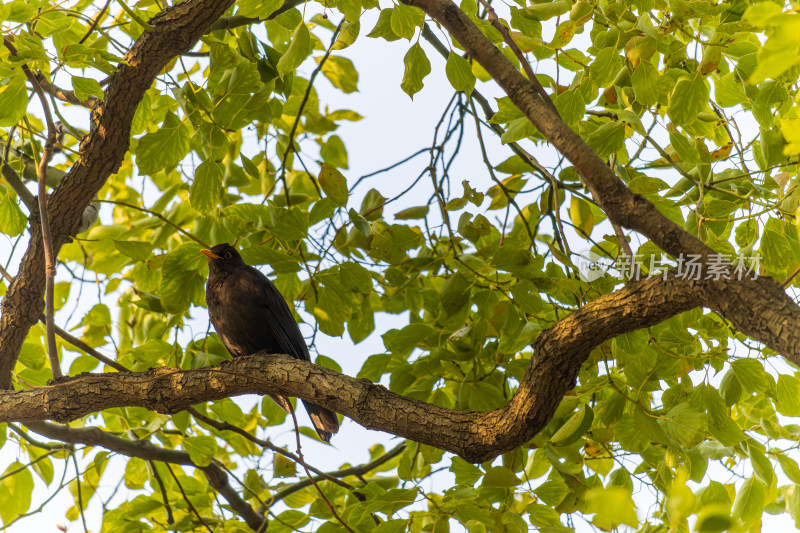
(559, 394)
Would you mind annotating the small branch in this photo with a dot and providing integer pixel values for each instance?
(788, 280)
(12, 178)
(95, 22)
(147, 451)
(79, 492)
(160, 482)
(357, 471)
(47, 238)
(187, 500)
(88, 350)
(509, 197)
(429, 36)
(226, 426)
(159, 216)
(228, 23)
(308, 474)
(495, 22)
(290, 144)
(65, 95)
(137, 19)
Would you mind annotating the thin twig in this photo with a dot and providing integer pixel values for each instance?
(290, 144)
(357, 471)
(162, 488)
(78, 490)
(226, 426)
(500, 184)
(790, 278)
(429, 36)
(495, 22)
(47, 238)
(94, 24)
(72, 339)
(186, 499)
(308, 474)
(159, 216)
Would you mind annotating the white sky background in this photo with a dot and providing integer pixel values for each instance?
(393, 128)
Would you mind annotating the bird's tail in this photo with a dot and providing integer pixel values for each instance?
(325, 421)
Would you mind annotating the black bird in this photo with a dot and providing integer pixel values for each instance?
(250, 315)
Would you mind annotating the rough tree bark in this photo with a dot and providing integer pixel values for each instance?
(175, 31)
(759, 307)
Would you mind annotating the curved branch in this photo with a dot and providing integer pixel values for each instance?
(759, 308)
(174, 31)
(475, 436)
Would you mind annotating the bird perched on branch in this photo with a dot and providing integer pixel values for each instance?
(250, 315)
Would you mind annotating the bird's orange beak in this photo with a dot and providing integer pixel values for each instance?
(209, 254)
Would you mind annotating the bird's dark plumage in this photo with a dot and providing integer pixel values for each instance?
(250, 315)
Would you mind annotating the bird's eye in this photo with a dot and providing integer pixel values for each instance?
(228, 255)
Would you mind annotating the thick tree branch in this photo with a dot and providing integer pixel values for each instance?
(559, 353)
(768, 315)
(174, 31)
(618, 202)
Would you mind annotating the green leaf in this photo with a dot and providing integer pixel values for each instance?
(465, 473)
(548, 10)
(761, 465)
(404, 340)
(341, 73)
(351, 9)
(86, 87)
(605, 66)
(405, 20)
(15, 491)
(645, 82)
(412, 213)
(788, 395)
(688, 99)
(789, 467)
(283, 466)
(201, 449)
(137, 250)
(685, 424)
(13, 98)
(751, 374)
(459, 73)
(500, 476)
(298, 51)
(608, 138)
(454, 294)
(750, 500)
(571, 106)
(206, 190)
(417, 67)
(729, 91)
(333, 184)
(552, 492)
(136, 473)
(279, 261)
(613, 507)
(347, 35)
(258, 8)
(334, 152)
(383, 28)
(580, 212)
(181, 282)
(12, 219)
(165, 148)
